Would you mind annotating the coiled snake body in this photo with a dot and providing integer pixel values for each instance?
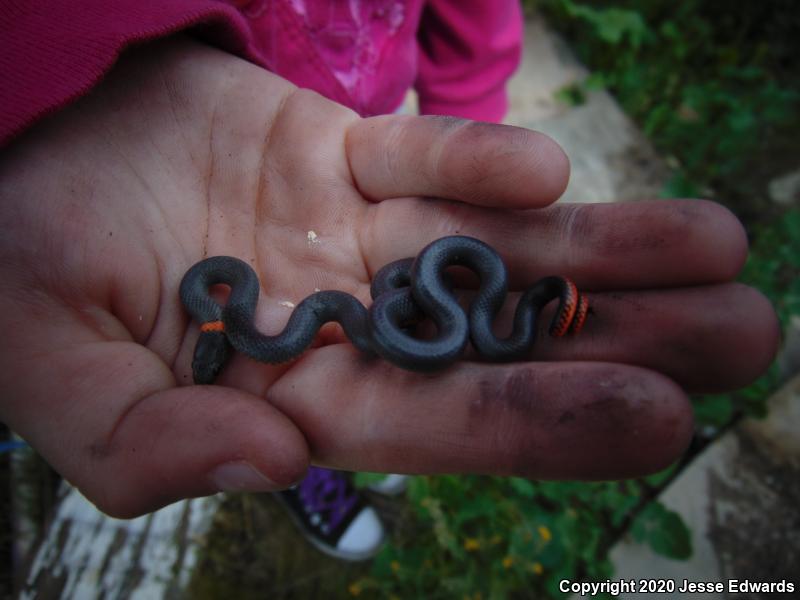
(403, 292)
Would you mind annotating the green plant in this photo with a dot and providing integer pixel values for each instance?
(488, 537)
(714, 84)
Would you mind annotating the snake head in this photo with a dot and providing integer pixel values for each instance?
(210, 355)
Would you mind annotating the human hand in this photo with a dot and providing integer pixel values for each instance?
(186, 152)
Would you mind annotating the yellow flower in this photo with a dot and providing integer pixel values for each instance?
(471, 544)
(496, 539)
(355, 588)
(508, 561)
(395, 566)
(537, 568)
(544, 533)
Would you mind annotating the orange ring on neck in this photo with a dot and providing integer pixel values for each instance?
(212, 326)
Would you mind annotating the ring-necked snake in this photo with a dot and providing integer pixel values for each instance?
(403, 292)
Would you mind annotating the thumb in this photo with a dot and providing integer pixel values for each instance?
(132, 442)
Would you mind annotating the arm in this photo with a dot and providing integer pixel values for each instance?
(468, 50)
(52, 53)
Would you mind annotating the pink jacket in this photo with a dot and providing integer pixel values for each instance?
(364, 54)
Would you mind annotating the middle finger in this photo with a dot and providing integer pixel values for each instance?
(600, 246)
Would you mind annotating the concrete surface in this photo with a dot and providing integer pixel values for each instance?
(785, 190)
(611, 160)
(741, 501)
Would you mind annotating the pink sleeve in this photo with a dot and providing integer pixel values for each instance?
(52, 52)
(468, 50)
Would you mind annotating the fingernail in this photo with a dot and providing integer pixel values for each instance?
(241, 477)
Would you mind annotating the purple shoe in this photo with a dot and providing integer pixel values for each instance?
(333, 516)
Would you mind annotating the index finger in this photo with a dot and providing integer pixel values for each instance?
(479, 163)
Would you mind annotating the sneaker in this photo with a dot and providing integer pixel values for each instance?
(333, 516)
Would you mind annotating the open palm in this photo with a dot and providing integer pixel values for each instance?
(186, 152)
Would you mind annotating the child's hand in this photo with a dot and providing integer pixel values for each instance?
(186, 152)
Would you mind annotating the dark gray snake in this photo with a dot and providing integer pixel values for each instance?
(403, 292)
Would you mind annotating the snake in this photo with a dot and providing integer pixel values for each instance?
(404, 293)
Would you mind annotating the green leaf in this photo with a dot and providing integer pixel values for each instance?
(656, 479)
(474, 508)
(362, 480)
(571, 95)
(620, 511)
(664, 531)
(680, 186)
(522, 486)
(614, 24)
(714, 410)
(595, 81)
